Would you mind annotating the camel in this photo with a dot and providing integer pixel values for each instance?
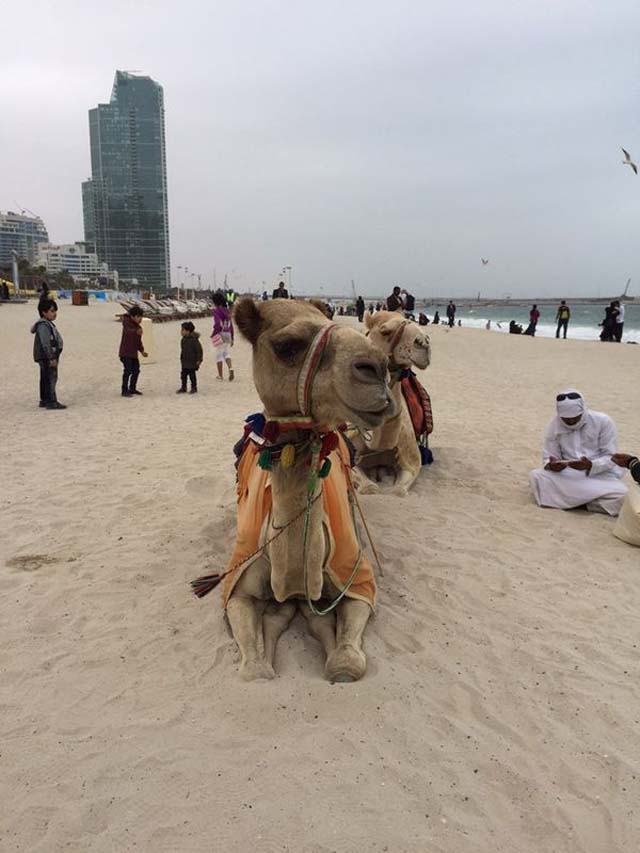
(392, 448)
(347, 381)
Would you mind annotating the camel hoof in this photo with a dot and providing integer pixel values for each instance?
(256, 669)
(368, 487)
(346, 664)
(400, 491)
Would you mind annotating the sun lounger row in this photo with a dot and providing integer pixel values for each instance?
(161, 310)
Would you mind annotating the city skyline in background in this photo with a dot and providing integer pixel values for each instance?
(387, 146)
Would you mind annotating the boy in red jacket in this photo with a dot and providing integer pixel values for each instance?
(130, 346)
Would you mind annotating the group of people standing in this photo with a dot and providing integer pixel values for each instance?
(48, 346)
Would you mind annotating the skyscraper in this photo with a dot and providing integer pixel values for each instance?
(125, 201)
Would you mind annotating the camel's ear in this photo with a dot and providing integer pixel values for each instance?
(321, 306)
(248, 319)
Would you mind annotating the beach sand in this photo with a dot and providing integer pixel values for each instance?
(500, 710)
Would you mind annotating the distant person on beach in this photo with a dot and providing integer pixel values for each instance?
(451, 314)
(265, 296)
(280, 292)
(534, 316)
(436, 318)
(515, 328)
(47, 349)
(394, 300)
(619, 322)
(378, 306)
(222, 335)
(624, 460)
(130, 345)
(609, 323)
(423, 320)
(562, 318)
(191, 356)
(360, 308)
(371, 308)
(578, 470)
(409, 302)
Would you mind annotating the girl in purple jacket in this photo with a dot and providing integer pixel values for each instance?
(222, 335)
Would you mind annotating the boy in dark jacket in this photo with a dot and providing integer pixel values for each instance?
(47, 348)
(190, 357)
(130, 345)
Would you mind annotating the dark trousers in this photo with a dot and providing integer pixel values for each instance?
(452, 320)
(562, 324)
(617, 333)
(130, 373)
(188, 373)
(48, 381)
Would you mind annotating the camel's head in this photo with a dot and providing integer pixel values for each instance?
(351, 383)
(403, 341)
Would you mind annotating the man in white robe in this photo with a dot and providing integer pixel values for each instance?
(577, 466)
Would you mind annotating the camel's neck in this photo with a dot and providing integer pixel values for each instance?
(387, 434)
(289, 489)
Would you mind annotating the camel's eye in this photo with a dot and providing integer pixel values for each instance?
(287, 349)
(385, 332)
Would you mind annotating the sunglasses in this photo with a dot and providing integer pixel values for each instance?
(573, 395)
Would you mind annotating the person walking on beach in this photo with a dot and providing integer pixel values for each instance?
(609, 323)
(578, 469)
(394, 300)
(360, 308)
(534, 316)
(191, 356)
(562, 318)
(130, 345)
(451, 314)
(619, 324)
(47, 349)
(409, 305)
(222, 335)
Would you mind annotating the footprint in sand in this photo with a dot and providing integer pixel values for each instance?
(30, 562)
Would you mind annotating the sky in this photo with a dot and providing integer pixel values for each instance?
(381, 142)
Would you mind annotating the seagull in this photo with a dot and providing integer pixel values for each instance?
(628, 161)
(484, 262)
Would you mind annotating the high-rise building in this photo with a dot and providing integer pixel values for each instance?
(125, 201)
(20, 234)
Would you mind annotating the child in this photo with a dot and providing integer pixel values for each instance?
(130, 346)
(190, 357)
(222, 334)
(47, 348)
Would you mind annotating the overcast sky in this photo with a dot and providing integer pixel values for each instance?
(386, 142)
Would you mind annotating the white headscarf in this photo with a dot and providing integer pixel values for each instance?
(571, 409)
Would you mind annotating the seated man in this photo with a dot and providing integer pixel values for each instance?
(578, 469)
(630, 462)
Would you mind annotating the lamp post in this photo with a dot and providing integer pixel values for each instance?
(178, 287)
(288, 269)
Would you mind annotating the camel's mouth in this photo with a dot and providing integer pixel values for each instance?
(372, 417)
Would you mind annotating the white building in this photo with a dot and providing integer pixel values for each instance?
(72, 257)
(22, 235)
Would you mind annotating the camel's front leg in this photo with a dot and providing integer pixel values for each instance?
(245, 617)
(404, 480)
(323, 628)
(275, 621)
(348, 662)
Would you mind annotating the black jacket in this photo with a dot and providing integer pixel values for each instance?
(47, 343)
(191, 354)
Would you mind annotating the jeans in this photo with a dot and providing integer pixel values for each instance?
(130, 373)
(562, 324)
(188, 373)
(617, 334)
(48, 381)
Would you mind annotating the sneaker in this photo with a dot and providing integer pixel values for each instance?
(231, 375)
(42, 404)
(219, 378)
(181, 391)
(126, 394)
(193, 391)
(136, 393)
(55, 406)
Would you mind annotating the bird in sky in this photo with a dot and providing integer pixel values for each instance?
(628, 161)
(484, 261)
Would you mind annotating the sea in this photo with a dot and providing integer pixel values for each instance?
(583, 324)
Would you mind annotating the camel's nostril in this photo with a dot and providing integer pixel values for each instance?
(367, 370)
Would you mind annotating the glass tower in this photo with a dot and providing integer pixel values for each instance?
(125, 201)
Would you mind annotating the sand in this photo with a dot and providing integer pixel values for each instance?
(500, 711)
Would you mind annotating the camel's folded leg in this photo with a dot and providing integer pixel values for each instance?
(348, 662)
(323, 628)
(275, 621)
(245, 617)
(404, 481)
